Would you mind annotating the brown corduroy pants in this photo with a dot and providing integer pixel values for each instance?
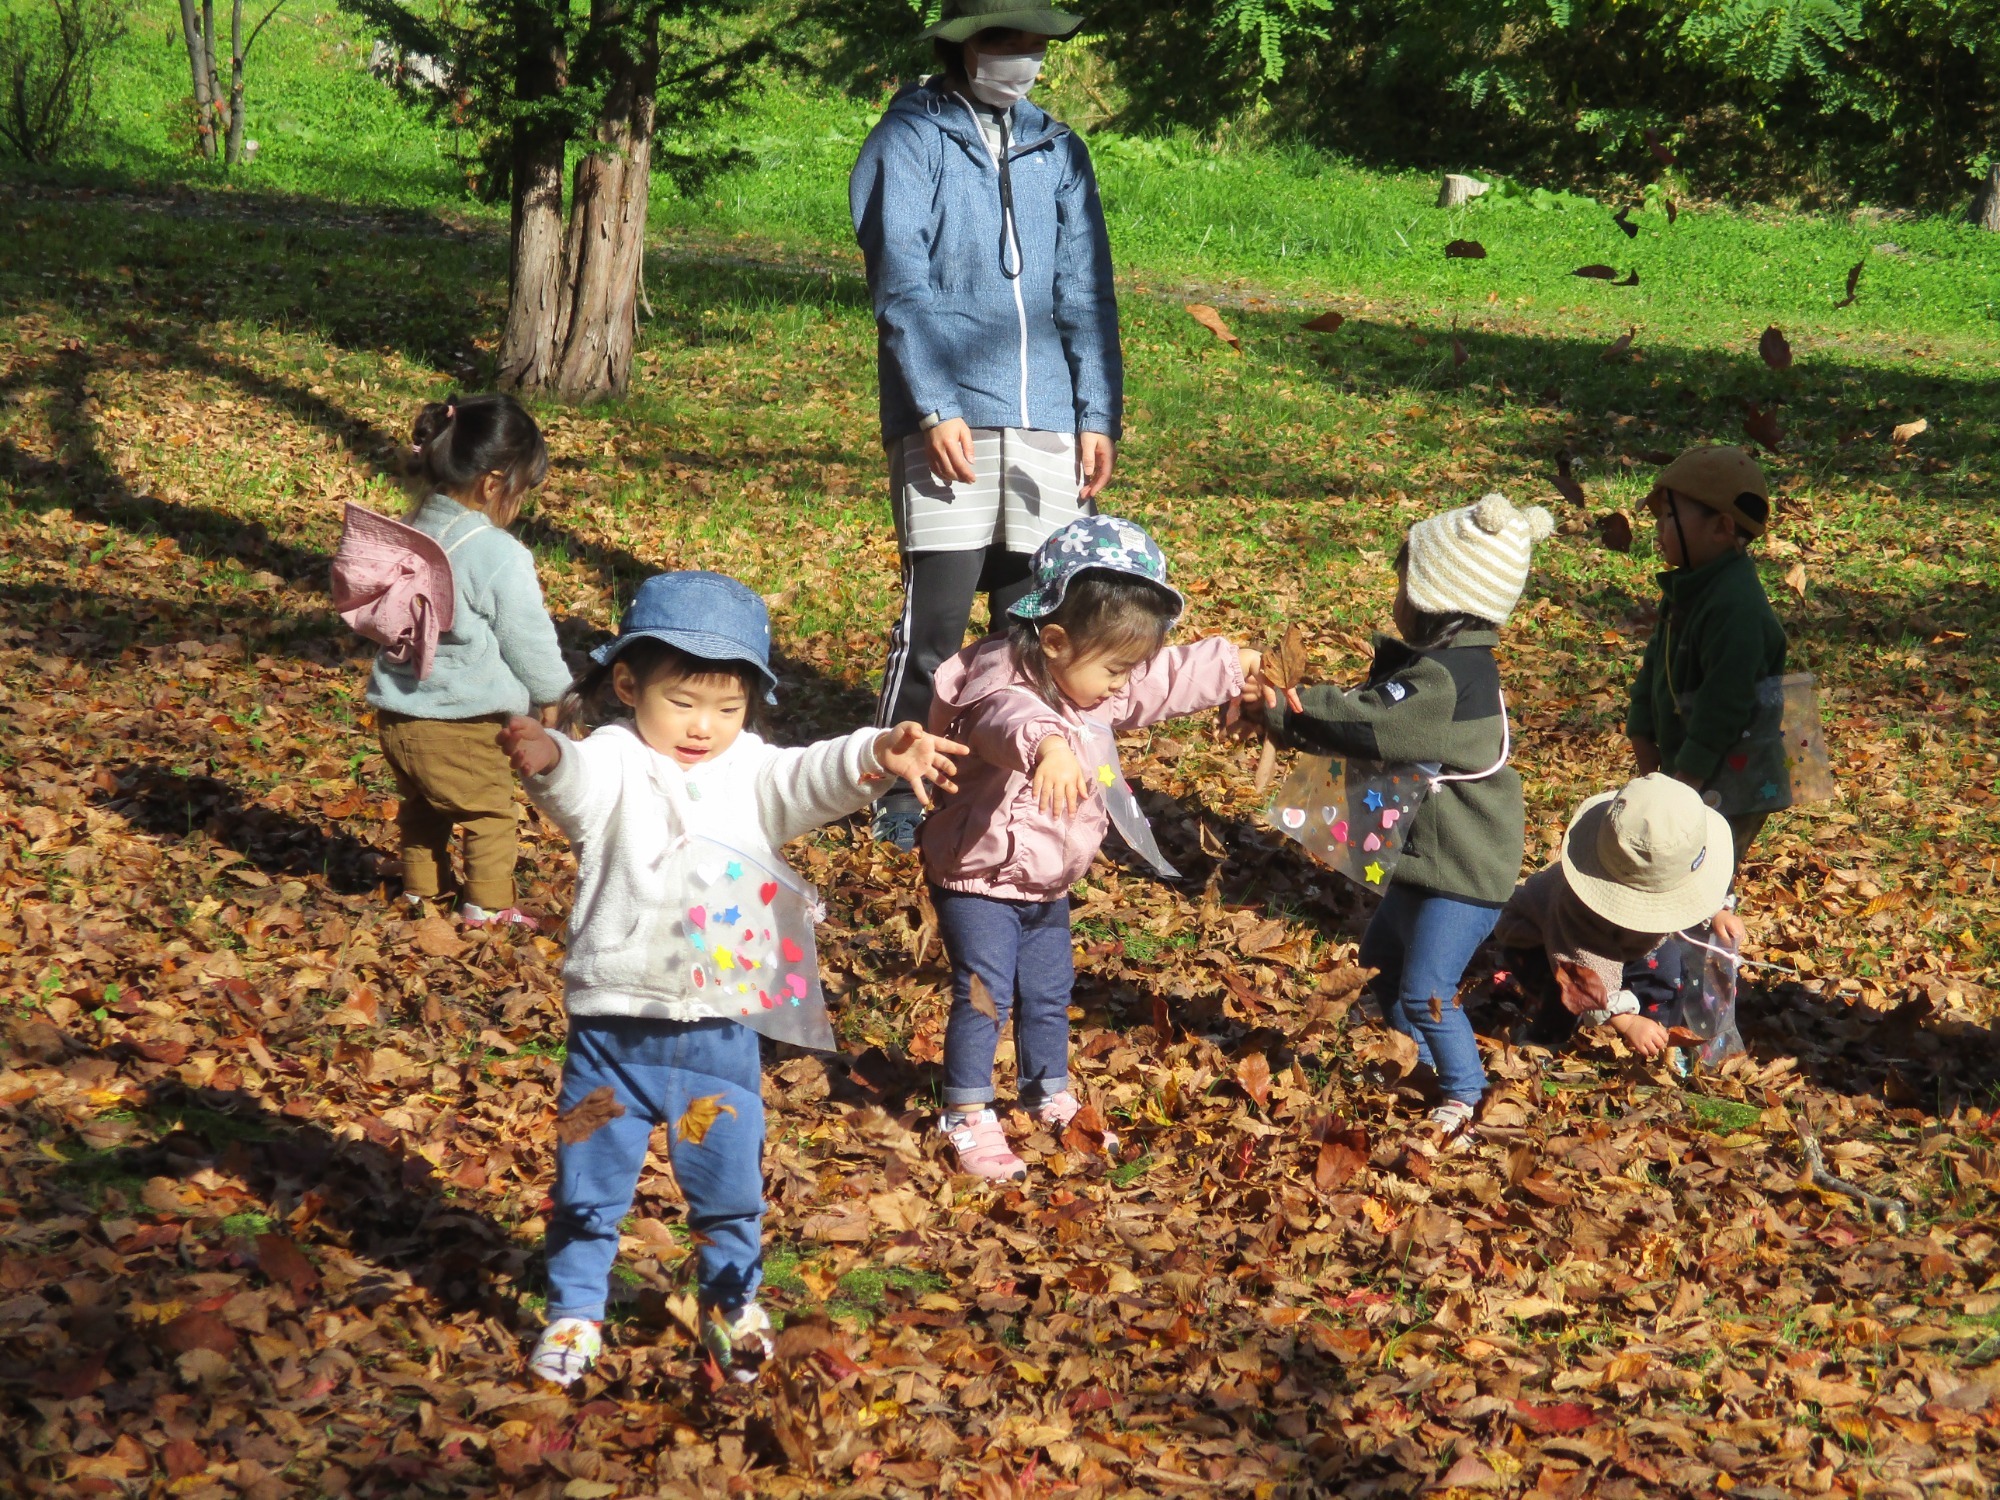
(452, 773)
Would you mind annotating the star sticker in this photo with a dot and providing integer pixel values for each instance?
(1373, 799)
(1768, 789)
(731, 917)
(734, 871)
(1374, 872)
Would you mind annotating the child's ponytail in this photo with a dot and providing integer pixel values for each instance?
(462, 439)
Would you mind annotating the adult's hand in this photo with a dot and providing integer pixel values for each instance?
(949, 448)
(1096, 456)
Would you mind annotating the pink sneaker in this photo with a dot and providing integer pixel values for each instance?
(1057, 1111)
(512, 916)
(981, 1147)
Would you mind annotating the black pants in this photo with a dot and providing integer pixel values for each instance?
(938, 589)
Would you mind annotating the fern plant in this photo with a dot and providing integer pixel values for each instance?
(1768, 40)
(1269, 28)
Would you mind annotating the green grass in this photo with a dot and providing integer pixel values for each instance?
(1723, 1116)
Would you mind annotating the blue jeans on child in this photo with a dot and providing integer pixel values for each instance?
(1421, 942)
(655, 1070)
(1020, 950)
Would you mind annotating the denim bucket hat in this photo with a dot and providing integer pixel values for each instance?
(708, 615)
(1104, 543)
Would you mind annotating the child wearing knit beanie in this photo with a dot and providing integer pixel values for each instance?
(1433, 695)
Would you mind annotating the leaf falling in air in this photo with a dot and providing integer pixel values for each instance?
(1458, 354)
(588, 1115)
(1661, 153)
(1623, 219)
(1567, 484)
(980, 999)
(1210, 319)
(699, 1118)
(1326, 322)
(1762, 426)
(1596, 272)
(1776, 351)
(1631, 280)
(1465, 250)
(1795, 579)
(1614, 529)
(1673, 210)
(1853, 283)
(1903, 432)
(1620, 346)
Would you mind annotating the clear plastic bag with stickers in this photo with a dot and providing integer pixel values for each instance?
(1352, 815)
(743, 935)
(1120, 802)
(1708, 995)
(1781, 760)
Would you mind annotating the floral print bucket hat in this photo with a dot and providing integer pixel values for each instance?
(1107, 544)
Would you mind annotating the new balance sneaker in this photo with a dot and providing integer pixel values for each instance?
(740, 1344)
(982, 1146)
(1453, 1117)
(567, 1348)
(1058, 1110)
(511, 916)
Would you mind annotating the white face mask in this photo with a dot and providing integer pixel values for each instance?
(1002, 81)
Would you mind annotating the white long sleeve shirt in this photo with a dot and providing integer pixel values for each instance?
(624, 807)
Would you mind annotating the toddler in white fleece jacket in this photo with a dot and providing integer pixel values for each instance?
(689, 936)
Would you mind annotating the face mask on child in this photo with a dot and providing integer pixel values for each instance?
(1002, 81)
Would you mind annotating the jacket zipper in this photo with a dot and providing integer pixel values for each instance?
(1014, 242)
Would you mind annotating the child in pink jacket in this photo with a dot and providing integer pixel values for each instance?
(1084, 656)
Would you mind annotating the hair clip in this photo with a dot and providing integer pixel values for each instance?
(451, 411)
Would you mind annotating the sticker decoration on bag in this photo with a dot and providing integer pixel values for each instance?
(744, 938)
(1122, 803)
(1353, 815)
(1781, 761)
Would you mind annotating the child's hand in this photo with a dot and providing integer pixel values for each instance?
(913, 753)
(531, 749)
(1060, 785)
(1645, 755)
(1729, 929)
(1647, 1038)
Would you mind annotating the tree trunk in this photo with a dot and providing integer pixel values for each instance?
(214, 113)
(203, 81)
(607, 231)
(233, 150)
(1986, 207)
(531, 342)
(1457, 189)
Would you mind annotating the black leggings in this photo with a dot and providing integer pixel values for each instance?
(937, 605)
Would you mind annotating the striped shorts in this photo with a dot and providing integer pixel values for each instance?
(1026, 487)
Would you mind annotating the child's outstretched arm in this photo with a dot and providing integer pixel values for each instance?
(1400, 718)
(556, 773)
(1185, 680)
(800, 789)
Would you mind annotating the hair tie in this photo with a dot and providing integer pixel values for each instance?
(451, 411)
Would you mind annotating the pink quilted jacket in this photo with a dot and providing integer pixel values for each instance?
(989, 837)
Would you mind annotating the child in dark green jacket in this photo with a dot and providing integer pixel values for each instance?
(1434, 696)
(1717, 636)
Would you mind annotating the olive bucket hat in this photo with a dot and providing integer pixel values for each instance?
(964, 19)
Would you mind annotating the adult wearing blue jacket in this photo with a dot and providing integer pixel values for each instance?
(1001, 377)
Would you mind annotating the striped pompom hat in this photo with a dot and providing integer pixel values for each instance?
(1474, 560)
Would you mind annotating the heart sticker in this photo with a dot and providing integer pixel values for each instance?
(1292, 817)
(708, 874)
(699, 916)
(1371, 843)
(1327, 815)
(767, 1001)
(1389, 816)
(1339, 831)
(1738, 761)
(699, 979)
(766, 891)
(792, 951)
(796, 984)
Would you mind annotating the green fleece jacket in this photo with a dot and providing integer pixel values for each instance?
(1442, 706)
(1697, 686)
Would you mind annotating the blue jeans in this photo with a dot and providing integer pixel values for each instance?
(1421, 942)
(656, 1069)
(1020, 950)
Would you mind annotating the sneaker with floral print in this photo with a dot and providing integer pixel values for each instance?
(567, 1348)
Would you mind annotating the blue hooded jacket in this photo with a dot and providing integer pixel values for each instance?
(958, 335)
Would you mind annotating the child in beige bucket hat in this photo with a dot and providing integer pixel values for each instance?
(1585, 937)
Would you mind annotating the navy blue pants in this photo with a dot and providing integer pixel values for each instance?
(1020, 951)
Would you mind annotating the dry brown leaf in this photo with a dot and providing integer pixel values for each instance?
(1777, 353)
(1614, 529)
(1210, 319)
(437, 937)
(1762, 426)
(1566, 481)
(1597, 272)
(1458, 354)
(1284, 665)
(1853, 283)
(699, 1118)
(1326, 322)
(1623, 219)
(589, 1115)
(980, 999)
(1654, 144)
(1619, 347)
(1465, 250)
(1795, 579)
(1253, 1075)
(1903, 432)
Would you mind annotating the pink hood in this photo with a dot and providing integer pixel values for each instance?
(989, 838)
(392, 585)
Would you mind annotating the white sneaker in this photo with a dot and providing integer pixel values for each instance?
(740, 1346)
(1453, 1117)
(567, 1348)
